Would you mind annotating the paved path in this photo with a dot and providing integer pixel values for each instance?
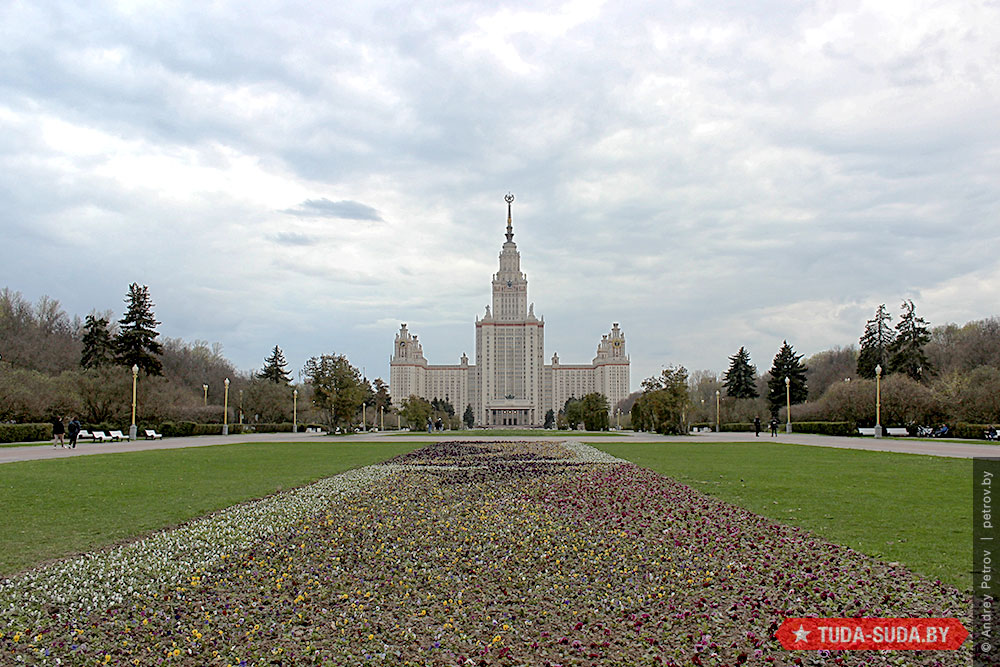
(927, 447)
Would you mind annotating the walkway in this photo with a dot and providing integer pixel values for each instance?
(927, 447)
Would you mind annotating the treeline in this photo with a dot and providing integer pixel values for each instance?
(928, 375)
(53, 365)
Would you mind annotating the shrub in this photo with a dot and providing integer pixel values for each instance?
(184, 428)
(970, 431)
(738, 426)
(848, 429)
(25, 432)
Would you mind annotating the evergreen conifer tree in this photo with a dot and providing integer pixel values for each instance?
(136, 343)
(906, 352)
(786, 364)
(274, 369)
(470, 418)
(741, 378)
(875, 342)
(98, 346)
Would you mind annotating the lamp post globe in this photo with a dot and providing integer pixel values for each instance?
(295, 410)
(878, 401)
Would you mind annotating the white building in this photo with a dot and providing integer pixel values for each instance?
(510, 384)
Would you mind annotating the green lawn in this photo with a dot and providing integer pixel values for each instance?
(916, 510)
(60, 507)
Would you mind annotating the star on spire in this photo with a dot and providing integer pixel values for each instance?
(509, 198)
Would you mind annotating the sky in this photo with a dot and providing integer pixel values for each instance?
(310, 175)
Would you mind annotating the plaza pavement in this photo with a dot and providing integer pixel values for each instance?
(927, 447)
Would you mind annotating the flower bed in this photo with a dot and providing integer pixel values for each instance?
(505, 554)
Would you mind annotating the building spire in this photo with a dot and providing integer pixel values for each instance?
(509, 198)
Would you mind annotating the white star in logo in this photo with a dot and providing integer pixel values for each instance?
(801, 634)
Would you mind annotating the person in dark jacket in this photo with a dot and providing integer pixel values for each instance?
(73, 431)
(756, 426)
(58, 432)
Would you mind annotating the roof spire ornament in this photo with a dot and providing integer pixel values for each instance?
(509, 198)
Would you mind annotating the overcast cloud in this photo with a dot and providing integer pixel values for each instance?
(310, 175)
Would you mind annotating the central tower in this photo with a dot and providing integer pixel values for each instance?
(509, 345)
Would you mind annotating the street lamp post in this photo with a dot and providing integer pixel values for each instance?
(381, 418)
(788, 403)
(132, 429)
(204, 388)
(225, 409)
(718, 396)
(364, 426)
(878, 401)
(295, 410)
(241, 407)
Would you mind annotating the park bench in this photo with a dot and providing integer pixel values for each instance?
(151, 434)
(85, 435)
(101, 436)
(117, 436)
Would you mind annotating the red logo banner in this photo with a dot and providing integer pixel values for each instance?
(871, 634)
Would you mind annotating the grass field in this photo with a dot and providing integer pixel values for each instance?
(61, 507)
(916, 510)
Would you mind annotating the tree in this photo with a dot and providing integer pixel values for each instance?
(268, 402)
(416, 411)
(40, 337)
(469, 416)
(336, 385)
(830, 367)
(906, 352)
(741, 378)
(444, 406)
(664, 402)
(550, 419)
(98, 345)
(136, 344)
(274, 369)
(594, 411)
(104, 393)
(875, 342)
(789, 365)
(382, 399)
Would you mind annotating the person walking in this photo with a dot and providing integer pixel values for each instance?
(58, 432)
(774, 427)
(756, 426)
(73, 431)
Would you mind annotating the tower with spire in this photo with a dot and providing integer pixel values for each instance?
(509, 385)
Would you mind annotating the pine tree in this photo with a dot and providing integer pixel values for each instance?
(383, 400)
(470, 418)
(906, 352)
(275, 369)
(875, 342)
(741, 378)
(789, 365)
(98, 346)
(550, 418)
(136, 343)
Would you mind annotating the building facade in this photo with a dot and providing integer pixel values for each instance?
(510, 384)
